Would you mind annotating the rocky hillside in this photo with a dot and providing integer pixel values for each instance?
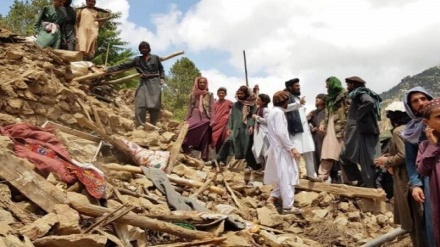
(429, 79)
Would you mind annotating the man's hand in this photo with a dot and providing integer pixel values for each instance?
(254, 116)
(430, 134)
(295, 153)
(302, 100)
(229, 132)
(321, 128)
(251, 130)
(381, 161)
(418, 194)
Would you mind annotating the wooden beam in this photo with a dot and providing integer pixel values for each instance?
(71, 131)
(29, 183)
(118, 144)
(177, 180)
(175, 150)
(141, 221)
(341, 189)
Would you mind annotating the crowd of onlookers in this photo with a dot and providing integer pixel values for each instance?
(339, 142)
(61, 26)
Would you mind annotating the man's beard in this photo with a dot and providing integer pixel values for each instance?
(296, 93)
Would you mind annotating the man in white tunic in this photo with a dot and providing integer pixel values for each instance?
(281, 168)
(299, 130)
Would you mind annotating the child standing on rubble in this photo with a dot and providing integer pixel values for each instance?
(428, 161)
(281, 168)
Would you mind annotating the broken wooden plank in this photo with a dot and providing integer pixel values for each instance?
(40, 227)
(175, 150)
(137, 220)
(174, 179)
(18, 212)
(71, 56)
(341, 189)
(205, 185)
(116, 143)
(37, 189)
(72, 131)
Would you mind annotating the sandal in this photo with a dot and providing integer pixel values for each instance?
(293, 210)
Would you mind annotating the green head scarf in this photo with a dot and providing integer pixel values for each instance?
(333, 90)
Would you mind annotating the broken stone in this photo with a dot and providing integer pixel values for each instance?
(74, 240)
(14, 55)
(305, 199)
(269, 217)
(354, 216)
(6, 217)
(68, 220)
(320, 213)
(40, 227)
(370, 205)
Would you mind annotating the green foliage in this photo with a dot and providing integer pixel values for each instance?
(110, 42)
(21, 16)
(179, 84)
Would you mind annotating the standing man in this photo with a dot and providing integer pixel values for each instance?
(68, 42)
(148, 92)
(315, 117)
(241, 129)
(361, 133)
(299, 130)
(415, 100)
(88, 23)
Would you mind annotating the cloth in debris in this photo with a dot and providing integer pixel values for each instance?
(155, 159)
(48, 154)
(174, 199)
(178, 202)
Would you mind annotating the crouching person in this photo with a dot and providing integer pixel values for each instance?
(281, 168)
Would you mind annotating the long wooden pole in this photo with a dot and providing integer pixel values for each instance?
(141, 221)
(245, 68)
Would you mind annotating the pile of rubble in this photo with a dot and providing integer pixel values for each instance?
(189, 204)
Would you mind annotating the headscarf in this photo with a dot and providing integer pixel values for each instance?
(415, 127)
(199, 93)
(435, 103)
(247, 102)
(334, 88)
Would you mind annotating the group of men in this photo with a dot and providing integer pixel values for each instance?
(350, 116)
(412, 202)
(61, 26)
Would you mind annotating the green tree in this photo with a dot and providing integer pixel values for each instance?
(21, 16)
(110, 48)
(179, 84)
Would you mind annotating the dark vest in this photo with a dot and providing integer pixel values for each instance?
(294, 124)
